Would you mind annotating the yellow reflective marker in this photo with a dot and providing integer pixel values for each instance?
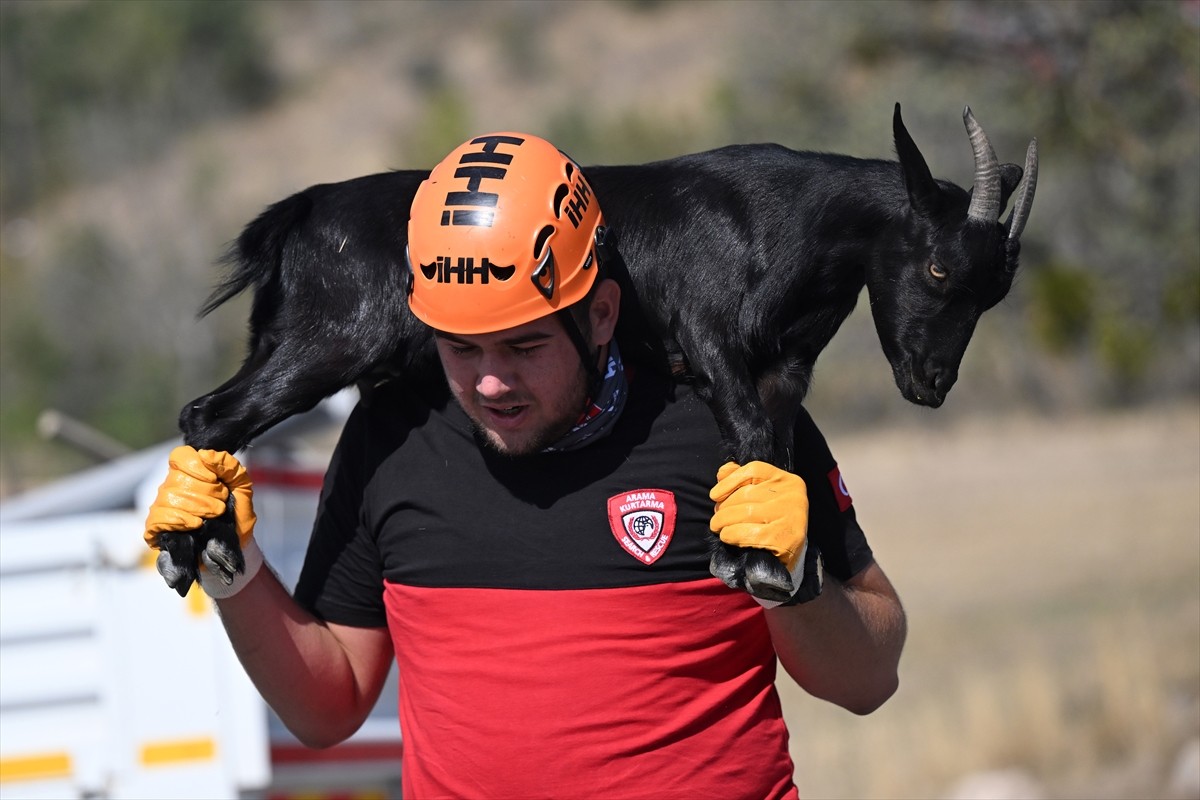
(38, 767)
(158, 754)
(197, 600)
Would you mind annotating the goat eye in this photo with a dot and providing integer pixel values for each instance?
(937, 272)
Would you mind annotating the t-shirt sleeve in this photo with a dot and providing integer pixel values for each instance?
(832, 524)
(342, 577)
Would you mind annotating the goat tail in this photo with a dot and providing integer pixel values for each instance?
(256, 257)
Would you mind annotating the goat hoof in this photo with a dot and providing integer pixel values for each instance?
(176, 577)
(767, 578)
(221, 551)
(728, 563)
(757, 572)
(222, 560)
(177, 560)
(215, 544)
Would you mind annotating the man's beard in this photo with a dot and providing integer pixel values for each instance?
(566, 419)
(539, 442)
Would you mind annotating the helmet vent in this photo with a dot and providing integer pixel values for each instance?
(559, 196)
(544, 276)
(540, 242)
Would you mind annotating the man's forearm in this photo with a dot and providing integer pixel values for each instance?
(845, 645)
(322, 682)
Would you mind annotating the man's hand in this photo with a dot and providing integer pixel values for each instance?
(205, 488)
(762, 506)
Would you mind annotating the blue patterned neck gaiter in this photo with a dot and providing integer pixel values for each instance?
(601, 412)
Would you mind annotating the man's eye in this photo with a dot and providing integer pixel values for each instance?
(525, 351)
(459, 350)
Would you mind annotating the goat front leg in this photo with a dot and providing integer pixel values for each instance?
(749, 436)
(766, 576)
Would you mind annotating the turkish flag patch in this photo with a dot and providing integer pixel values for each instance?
(643, 522)
(840, 492)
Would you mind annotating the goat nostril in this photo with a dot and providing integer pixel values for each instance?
(943, 379)
(936, 377)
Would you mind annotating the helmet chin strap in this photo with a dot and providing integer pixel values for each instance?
(590, 358)
(606, 250)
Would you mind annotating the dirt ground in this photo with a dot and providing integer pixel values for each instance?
(1051, 572)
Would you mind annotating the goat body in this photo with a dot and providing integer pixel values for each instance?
(743, 260)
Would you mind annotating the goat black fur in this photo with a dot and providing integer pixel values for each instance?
(744, 261)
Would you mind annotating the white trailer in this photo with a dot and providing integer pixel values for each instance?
(112, 686)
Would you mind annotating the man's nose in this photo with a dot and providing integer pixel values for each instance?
(492, 381)
(490, 386)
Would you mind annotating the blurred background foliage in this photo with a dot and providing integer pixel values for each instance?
(90, 88)
(136, 138)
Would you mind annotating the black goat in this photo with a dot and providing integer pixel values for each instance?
(744, 260)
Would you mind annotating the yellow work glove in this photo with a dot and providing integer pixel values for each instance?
(201, 486)
(762, 506)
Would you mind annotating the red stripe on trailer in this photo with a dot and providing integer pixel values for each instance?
(341, 754)
(263, 475)
(369, 794)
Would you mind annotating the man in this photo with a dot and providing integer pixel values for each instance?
(531, 540)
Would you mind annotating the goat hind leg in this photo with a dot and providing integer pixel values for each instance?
(262, 394)
(220, 420)
(224, 418)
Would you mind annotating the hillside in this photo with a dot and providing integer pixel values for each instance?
(105, 262)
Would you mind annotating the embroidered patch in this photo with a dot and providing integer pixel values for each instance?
(840, 492)
(643, 522)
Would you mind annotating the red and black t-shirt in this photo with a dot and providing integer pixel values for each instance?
(557, 631)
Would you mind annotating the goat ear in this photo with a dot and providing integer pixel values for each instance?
(1010, 176)
(918, 181)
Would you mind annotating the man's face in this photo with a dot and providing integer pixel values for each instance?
(523, 387)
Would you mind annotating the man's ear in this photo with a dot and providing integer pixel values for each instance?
(602, 314)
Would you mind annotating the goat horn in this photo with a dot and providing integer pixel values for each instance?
(1020, 210)
(985, 194)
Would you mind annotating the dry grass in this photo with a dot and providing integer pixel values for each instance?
(1051, 571)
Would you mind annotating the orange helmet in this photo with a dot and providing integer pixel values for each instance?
(502, 232)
